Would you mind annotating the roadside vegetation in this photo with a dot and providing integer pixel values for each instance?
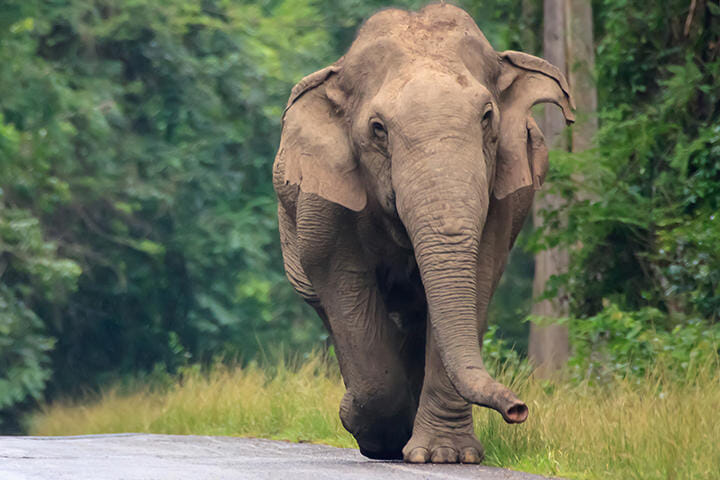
(289, 403)
(656, 421)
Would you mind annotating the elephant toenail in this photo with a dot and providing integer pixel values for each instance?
(418, 455)
(444, 455)
(470, 455)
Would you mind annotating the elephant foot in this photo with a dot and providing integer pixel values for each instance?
(443, 430)
(381, 426)
(443, 446)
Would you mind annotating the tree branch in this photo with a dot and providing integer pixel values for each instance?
(690, 16)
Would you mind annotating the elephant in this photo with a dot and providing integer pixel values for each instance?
(404, 174)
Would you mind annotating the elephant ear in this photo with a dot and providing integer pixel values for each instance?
(314, 151)
(525, 81)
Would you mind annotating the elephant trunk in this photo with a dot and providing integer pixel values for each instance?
(444, 210)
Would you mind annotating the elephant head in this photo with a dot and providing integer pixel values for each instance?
(424, 122)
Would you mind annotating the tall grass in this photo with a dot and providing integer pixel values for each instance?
(656, 428)
(297, 404)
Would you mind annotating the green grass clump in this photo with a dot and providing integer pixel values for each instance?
(659, 427)
(654, 428)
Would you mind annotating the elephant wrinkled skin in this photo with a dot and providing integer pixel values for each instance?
(404, 174)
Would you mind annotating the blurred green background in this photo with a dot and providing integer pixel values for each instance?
(138, 230)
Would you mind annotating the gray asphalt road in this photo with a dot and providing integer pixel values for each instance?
(179, 457)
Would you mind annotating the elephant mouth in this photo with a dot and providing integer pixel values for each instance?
(397, 231)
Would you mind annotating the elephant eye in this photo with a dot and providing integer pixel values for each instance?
(378, 129)
(487, 117)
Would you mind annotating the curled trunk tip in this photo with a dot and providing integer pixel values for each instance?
(516, 413)
(482, 390)
(503, 400)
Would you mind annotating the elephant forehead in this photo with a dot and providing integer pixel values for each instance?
(431, 17)
(435, 25)
(395, 41)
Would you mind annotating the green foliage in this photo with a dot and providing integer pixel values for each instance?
(498, 354)
(26, 260)
(512, 301)
(643, 231)
(138, 136)
(24, 363)
(617, 344)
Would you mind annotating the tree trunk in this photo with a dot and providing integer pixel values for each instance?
(581, 62)
(548, 348)
(568, 44)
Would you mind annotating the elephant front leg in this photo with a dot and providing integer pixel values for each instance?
(443, 431)
(443, 428)
(379, 406)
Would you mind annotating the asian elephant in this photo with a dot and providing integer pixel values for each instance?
(404, 174)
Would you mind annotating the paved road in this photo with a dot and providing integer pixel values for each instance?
(179, 457)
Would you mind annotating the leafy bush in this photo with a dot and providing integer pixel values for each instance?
(617, 344)
(137, 138)
(24, 362)
(643, 231)
(499, 355)
(26, 261)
